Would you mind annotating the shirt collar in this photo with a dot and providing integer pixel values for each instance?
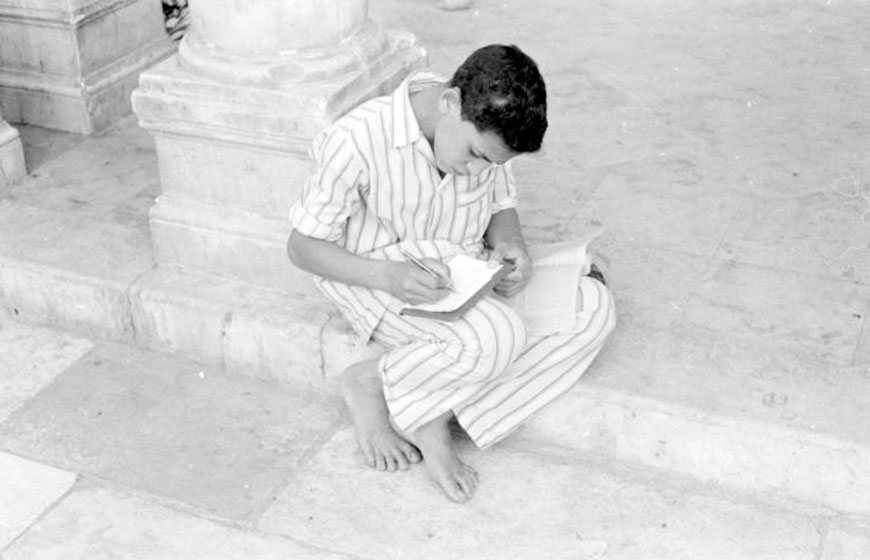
(406, 129)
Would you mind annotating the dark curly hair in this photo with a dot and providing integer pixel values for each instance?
(503, 92)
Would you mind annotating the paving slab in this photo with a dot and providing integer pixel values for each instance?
(112, 177)
(847, 539)
(31, 358)
(69, 270)
(118, 524)
(687, 324)
(44, 145)
(761, 457)
(529, 505)
(27, 489)
(222, 444)
(824, 233)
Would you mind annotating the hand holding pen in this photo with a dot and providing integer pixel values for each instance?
(427, 282)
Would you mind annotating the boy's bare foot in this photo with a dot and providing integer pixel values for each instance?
(456, 479)
(384, 449)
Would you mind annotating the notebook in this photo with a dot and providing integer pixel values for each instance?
(548, 303)
(472, 279)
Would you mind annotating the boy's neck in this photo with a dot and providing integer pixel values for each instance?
(425, 106)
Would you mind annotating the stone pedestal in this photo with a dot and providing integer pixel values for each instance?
(233, 116)
(12, 167)
(72, 64)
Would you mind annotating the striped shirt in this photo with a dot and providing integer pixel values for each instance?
(377, 190)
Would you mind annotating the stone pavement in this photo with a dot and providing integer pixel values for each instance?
(724, 147)
(112, 452)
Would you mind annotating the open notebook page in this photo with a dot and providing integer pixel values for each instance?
(548, 303)
(469, 275)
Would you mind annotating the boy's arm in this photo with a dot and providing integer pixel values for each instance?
(403, 280)
(504, 235)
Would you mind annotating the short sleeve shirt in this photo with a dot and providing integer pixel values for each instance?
(376, 190)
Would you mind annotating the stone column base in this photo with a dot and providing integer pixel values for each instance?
(12, 168)
(233, 159)
(74, 69)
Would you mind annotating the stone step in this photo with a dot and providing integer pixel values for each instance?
(110, 451)
(98, 279)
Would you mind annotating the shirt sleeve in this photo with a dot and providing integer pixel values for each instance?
(332, 192)
(504, 192)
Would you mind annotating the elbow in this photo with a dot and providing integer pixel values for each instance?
(293, 247)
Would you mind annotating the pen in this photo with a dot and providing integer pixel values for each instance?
(426, 268)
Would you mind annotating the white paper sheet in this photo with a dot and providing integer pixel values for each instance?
(469, 275)
(548, 303)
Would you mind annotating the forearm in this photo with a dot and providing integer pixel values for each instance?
(504, 228)
(333, 262)
(505, 237)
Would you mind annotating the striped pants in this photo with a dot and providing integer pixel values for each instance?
(484, 367)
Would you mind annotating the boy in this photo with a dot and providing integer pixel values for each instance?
(425, 170)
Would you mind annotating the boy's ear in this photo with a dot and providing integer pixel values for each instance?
(450, 101)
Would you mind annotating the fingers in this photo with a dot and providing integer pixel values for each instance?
(439, 267)
(512, 283)
(425, 288)
(497, 254)
(441, 280)
(521, 272)
(508, 290)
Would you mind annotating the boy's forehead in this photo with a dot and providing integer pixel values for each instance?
(492, 147)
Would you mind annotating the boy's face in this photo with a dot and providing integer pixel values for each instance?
(459, 147)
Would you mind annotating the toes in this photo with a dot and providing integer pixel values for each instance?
(369, 457)
(470, 472)
(468, 484)
(411, 453)
(401, 461)
(454, 491)
(380, 462)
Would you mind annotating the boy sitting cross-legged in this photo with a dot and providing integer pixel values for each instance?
(426, 170)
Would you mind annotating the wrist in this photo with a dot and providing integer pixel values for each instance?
(382, 275)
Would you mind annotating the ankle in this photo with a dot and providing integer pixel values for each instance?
(436, 431)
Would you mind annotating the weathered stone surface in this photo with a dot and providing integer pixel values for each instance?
(31, 358)
(112, 177)
(847, 539)
(775, 344)
(219, 443)
(757, 456)
(43, 145)
(27, 489)
(250, 330)
(198, 169)
(528, 505)
(12, 168)
(68, 270)
(227, 241)
(72, 66)
(278, 26)
(101, 523)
